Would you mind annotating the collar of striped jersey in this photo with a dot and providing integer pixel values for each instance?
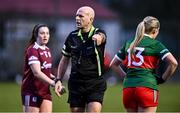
(39, 46)
(89, 35)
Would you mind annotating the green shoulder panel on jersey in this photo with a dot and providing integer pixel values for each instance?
(152, 47)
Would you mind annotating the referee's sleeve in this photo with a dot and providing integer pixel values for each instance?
(66, 50)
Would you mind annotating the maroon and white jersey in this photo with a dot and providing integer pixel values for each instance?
(31, 85)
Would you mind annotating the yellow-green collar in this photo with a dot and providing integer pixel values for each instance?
(89, 35)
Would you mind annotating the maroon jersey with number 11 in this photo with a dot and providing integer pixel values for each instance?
(31, 85)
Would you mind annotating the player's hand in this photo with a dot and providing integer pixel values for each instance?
(98, 39)
(159, 80)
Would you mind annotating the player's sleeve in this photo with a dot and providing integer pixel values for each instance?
(66, 50)
(163, 52)
(33, 56)
(120, 55)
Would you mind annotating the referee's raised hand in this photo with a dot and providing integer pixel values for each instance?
(99, 38)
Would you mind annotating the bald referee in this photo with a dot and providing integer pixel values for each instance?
(85, 46)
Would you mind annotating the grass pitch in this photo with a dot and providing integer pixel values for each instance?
(169, 100)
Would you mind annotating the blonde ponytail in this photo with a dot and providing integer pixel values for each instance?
(138, 37)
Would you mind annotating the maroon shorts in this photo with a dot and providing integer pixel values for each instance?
(134, 97)
(34, 100)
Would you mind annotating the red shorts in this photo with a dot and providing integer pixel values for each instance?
(34, 100)
(134, 97)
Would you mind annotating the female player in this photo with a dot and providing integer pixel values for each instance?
(141, 57)
(35, 91)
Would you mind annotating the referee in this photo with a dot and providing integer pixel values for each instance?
(85, 46)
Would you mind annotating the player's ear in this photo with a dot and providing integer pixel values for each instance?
(154, 31)
(91, 19)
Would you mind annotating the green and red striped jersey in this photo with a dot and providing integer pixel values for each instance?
(142, 63)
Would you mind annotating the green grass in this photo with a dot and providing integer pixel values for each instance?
(169, 101)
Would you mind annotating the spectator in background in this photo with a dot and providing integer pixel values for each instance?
(141, 56)
(35, 90)
(85, 46)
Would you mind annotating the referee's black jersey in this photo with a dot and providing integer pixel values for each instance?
(86, 57)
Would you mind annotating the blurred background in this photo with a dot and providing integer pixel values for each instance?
(119, 18)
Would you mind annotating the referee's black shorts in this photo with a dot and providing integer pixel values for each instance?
(81, 92)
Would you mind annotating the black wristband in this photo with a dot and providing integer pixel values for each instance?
(58, 79)
(159, 79)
